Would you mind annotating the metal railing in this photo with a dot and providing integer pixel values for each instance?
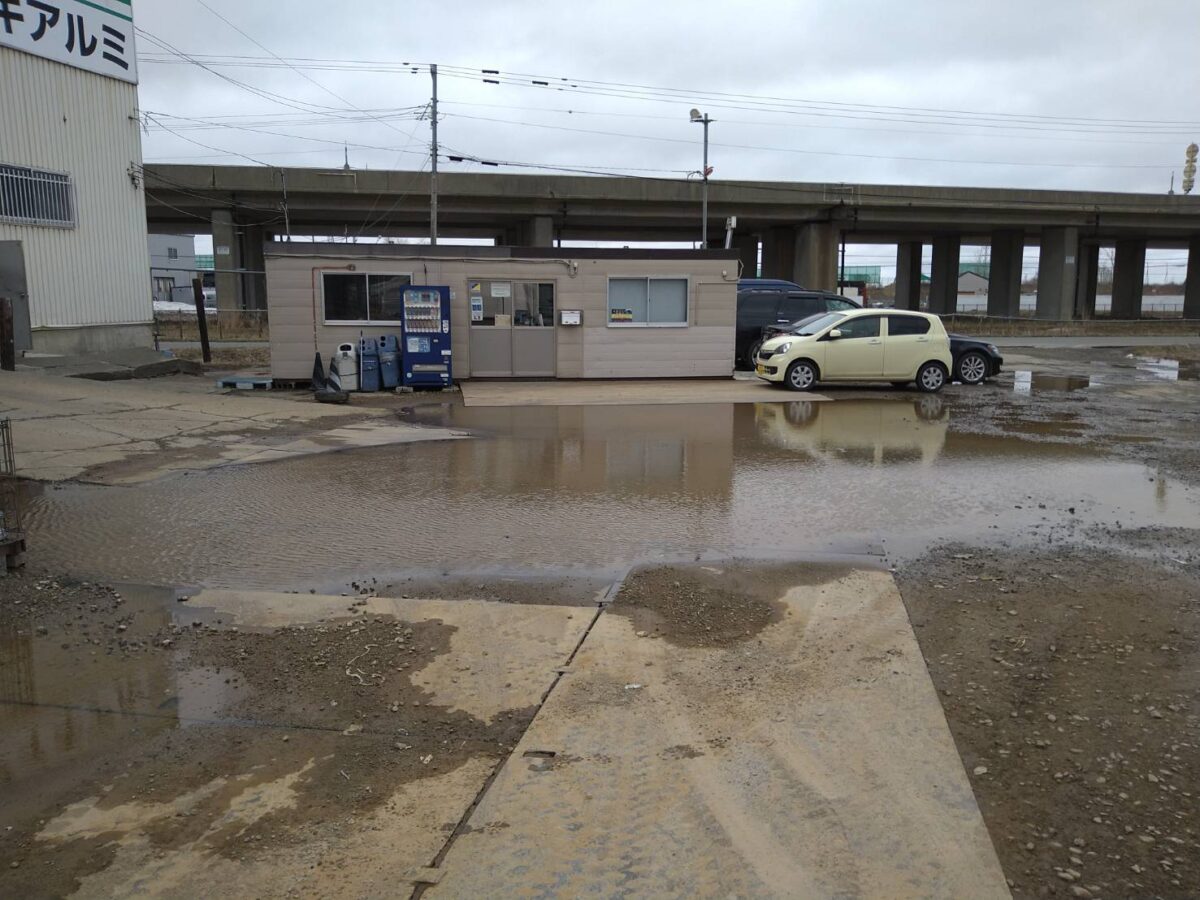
(223, 325)
(1029, 326)
(12, 490)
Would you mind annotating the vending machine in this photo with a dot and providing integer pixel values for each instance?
(426, 330)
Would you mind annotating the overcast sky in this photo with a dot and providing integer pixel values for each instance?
(1051, 94)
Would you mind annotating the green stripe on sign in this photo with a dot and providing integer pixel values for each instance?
(111, 12)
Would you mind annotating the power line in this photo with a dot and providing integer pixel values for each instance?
(298, 137)
(627, 88)
(797, 150)
(1091, 139)
(302, 74)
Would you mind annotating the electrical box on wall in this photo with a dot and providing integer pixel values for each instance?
(570, 317)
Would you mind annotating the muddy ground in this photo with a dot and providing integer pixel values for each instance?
(1071, 682)
(274, 703)
(1067, 658)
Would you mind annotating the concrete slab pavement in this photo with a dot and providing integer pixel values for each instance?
(353, 848)
(809, 760)
(129, 431)
(113, 365)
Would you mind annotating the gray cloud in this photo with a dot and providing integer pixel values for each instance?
(1067, 59)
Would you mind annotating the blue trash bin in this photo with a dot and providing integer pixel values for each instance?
(389, 361)
(368, 364)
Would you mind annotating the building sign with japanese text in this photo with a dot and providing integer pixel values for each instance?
(96, 35)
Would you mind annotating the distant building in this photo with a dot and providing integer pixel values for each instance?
(172, 266)
(73, 253)
(870, 275)
(972, 283)
(982, 269)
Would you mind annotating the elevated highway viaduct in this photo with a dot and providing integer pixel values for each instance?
(798, 226)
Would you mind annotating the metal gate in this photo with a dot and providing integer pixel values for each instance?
(13, 286)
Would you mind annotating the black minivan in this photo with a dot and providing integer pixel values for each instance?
(757, 308)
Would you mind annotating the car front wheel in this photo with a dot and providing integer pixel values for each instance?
(972, 367)
(931, 378)
(752, 354)
(801, 375)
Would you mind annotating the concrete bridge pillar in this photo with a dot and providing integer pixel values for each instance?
(943, 287)
(536, 231)
(1058, 264)
(817, 256)
(1191, 289)
(1004, 281)
(779, 252)
(908, 275)
(1129, 268)
(539, 231)
(227, 255)
(1085, 281)
(254, 283)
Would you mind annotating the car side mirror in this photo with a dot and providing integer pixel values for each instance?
(834, 334)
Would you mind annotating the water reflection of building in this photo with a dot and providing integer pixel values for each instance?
(652, 451)
(873, 431)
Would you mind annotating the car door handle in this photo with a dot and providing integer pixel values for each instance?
(875, 341)
(923, 340)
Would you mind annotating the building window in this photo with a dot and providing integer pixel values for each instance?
(516, 304)
(359, 297)
(647, 301)
(172, 253)
(35, 197)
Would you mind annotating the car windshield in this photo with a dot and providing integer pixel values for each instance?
(820, 323)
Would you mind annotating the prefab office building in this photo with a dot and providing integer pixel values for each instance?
(73, 255)
(515, 312)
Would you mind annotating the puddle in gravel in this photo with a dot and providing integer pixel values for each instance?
(1167, 369)
(587, 491)
(1024, 382)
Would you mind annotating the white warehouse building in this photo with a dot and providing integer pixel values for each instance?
(73, 253)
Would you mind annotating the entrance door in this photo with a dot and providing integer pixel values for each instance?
(512, 329)
(12, 285)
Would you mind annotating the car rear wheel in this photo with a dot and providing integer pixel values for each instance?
(931, 378)
(972, 367)
(801, 375)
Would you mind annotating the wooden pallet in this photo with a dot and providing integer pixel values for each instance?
(246, 382)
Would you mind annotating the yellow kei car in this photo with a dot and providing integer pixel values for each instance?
(860, 345)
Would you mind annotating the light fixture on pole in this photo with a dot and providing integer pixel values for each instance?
(704, 173)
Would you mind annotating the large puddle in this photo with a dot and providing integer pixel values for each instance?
(573, 491)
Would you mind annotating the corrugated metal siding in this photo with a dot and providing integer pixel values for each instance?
(67, 120)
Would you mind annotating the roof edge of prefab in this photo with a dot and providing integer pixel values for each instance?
(451, 251)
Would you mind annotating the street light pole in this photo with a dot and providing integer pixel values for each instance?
(703, 120)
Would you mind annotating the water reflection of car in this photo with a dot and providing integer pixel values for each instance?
(860, 345)
(875, 430)
(975, 361)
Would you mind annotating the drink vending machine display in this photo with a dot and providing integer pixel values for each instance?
(426, 330)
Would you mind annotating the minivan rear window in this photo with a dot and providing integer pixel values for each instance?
(820, 324)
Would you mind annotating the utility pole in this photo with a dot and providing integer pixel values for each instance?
(433, 155)
(703, 120)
